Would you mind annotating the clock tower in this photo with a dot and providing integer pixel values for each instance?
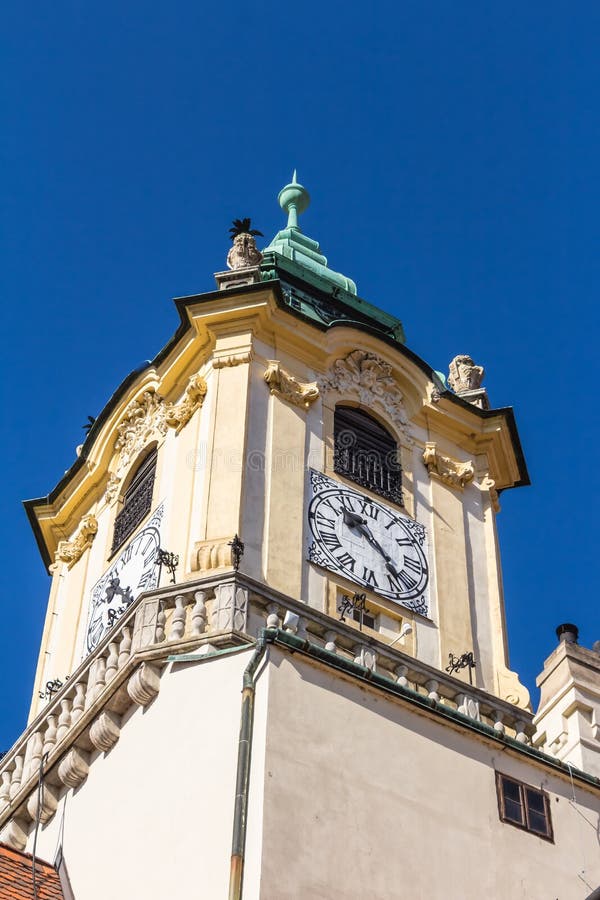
(289, 502)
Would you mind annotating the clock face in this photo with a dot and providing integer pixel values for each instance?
(133, 571)
(368, 542)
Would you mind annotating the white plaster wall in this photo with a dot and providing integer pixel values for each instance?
(154, 817)
(365, 798)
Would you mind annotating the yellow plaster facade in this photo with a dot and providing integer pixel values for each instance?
(240, 405)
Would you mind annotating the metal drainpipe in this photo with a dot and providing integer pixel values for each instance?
(240, 814)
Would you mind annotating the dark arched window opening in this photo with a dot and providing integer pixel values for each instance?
(137, 501)
(366, 453)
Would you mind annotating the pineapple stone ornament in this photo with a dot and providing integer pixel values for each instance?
(244, 252)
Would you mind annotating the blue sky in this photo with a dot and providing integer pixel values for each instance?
(452, 152)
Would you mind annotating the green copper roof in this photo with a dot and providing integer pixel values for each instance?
(310, 287)
(293, 245)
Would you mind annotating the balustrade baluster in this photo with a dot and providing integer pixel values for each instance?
(199, 613)
(33, 755)
(78, 702)
(520, 734)
(112, 663)
(50, 735)
(401, 673)
(124, 647)
(432, 689)
(499, 721)
(64, 719)
(161, 620)
(97, 676)
(330, 641)
(178, 620)
(17, 777)
(5, 789)
(272, 615)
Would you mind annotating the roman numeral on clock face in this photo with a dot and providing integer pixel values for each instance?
(369, 576)
(145, 579)
(368, 509)
(323, 522)
(413, 565)
(346, 561)
(330, 539)
(406, 580)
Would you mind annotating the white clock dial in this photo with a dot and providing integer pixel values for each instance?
(133, 571)
(368, 542)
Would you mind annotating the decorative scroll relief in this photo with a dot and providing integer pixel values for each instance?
(288, 387)
(149, 417)
(144, 419)
(370, 379)
(450, 471)
(179, 414)
(488, 484)
(112, 488)
(71, 551)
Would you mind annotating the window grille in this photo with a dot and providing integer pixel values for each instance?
(523, 806)
(137, 501)
(366, 453)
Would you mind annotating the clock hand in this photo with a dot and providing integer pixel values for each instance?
(353, 520)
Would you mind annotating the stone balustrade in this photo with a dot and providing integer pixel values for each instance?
(230, 609)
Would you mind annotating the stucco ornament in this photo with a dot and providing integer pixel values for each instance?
(244, 252)
(488, 484)
(177, 415)
(369, 378)
(450, 471)
(71, 551)
(112, 487)
(465, 380)
(464, 374)
(215, 554)
(289, 388)
(144, 419)
(232, 359)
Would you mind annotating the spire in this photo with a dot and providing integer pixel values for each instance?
(293, 199)
(297, 247)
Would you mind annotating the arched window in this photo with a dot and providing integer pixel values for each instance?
(365, 452)
(137, 501)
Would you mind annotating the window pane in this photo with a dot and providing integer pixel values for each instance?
(538, 823)
(511, 790)
(513, 801)
(513, 810)
(536, 811)
(535, 801)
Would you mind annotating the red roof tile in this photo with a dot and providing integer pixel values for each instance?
(16, 877)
